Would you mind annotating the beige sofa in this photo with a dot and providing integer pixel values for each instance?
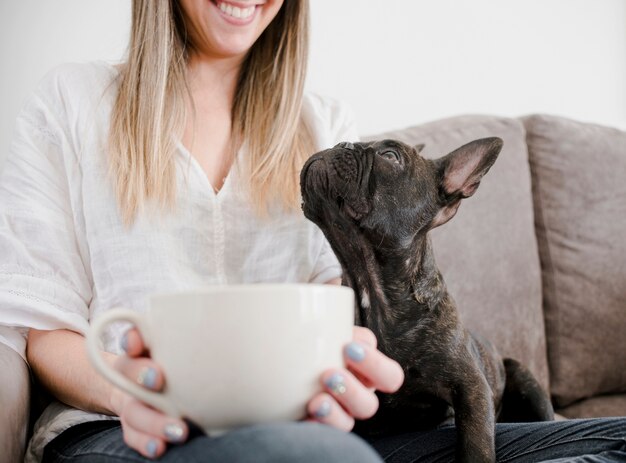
(536, 261)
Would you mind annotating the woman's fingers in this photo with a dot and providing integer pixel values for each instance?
(370, 366)
(351, 392)
(373, 367)
(136, 365)
(144, 419)
(149, 446)
(347, 390)
(325, 409)
(364, 336)
(132, 344)
(145, 429)
(143, 371)
(148, 431)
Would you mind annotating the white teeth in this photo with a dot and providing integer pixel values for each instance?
(235, 11)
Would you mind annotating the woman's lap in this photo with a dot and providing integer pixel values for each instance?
(594, 440)
(102, 441)
(600, 440)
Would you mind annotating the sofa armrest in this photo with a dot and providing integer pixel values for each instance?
(14, 404)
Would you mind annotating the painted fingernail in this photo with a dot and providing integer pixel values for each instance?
(151, 448)
(174, 432)
(355, 351)
(336, 384)
(124, 342)
(323, 410)
(147, 377)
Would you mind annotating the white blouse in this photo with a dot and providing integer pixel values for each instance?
(66, 256)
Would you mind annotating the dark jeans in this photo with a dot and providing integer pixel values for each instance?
(102, 441)
(598, 440)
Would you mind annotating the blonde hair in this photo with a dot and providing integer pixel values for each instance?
(149, 111)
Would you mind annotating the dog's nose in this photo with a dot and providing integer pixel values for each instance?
(345, 144)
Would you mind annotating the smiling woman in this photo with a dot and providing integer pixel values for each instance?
(175, 170)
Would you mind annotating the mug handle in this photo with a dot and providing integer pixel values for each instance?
(155, 399)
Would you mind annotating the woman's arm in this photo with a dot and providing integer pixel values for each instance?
(59, 359)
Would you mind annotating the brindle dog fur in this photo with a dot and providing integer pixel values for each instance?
(375, 203)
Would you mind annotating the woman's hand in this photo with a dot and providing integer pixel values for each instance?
(350, 392)
(146, 430)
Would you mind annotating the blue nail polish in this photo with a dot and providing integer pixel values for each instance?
(174, 432)
(151, 447)
(336, 384)
(124, 343)
(323, 410)
(355, 351)
(147, 377)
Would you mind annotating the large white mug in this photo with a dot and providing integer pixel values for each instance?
(238, 354)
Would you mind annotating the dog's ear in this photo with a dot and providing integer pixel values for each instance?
(460, 172)
(419, 148)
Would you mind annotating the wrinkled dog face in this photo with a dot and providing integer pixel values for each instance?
(361, 181)
(387, 190)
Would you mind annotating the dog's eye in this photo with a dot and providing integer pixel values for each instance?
(390, 156)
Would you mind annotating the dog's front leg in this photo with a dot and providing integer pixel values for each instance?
(475, 420)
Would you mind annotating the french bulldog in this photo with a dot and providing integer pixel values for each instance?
(376, 202)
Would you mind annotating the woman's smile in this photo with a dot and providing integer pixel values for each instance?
(237, 13)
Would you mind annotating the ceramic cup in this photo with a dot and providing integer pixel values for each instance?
(238, 354)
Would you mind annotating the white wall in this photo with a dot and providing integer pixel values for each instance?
(36, 35)
(396, 62)
(402, 62)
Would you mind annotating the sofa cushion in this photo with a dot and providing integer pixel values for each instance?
(579, 187)
(604, 405)
(487, 252)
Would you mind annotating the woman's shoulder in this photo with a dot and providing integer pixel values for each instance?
(79, 75)
(70, 104)
(67, 99)
(72, 85)
(330, 120)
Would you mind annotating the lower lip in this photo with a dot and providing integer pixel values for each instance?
(236, 21)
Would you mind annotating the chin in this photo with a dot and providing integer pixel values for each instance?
(234, 46)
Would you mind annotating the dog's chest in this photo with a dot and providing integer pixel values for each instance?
(428, 343)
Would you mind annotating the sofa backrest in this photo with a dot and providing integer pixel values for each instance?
(579, 183)
(488, 251)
